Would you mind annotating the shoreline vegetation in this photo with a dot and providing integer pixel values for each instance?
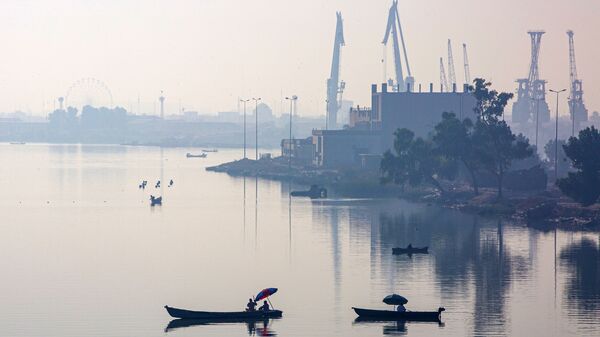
(477, 166)
(543, 210)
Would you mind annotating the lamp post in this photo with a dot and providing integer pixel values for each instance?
(291, 99)
(244, 101)
(256, 126)
(557, 92)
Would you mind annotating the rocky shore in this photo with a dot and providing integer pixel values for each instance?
(545, 210)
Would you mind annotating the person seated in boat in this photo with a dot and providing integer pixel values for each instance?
(401, 308)
(251, 305)
(409, 246)
(265, 306)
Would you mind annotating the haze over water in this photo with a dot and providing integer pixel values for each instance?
(82, 254)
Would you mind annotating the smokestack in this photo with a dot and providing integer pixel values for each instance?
(373, 88)
(60, 103)
(430, 87)
(384, 87)
(453, 87)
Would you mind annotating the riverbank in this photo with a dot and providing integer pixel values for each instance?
(544, 210)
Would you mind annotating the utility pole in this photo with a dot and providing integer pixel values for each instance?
(256, 126)
(556, 136)
(244, 101)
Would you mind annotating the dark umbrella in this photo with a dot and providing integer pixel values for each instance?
(395, 299)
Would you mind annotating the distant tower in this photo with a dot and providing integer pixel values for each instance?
(61, 101)
(162, 105)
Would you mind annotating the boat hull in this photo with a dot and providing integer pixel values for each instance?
(223, 316)
(400, 251)
(389, 315)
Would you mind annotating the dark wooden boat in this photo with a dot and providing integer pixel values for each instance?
(315, 192)
(234, 316)
(410, 250)
(389, 315)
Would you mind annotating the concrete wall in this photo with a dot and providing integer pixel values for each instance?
(418, 112)
(342, 148)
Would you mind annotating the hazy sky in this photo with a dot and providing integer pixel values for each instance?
(206, 53)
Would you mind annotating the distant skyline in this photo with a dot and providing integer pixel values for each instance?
(206, 54)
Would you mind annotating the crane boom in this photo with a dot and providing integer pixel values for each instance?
(466, 63)
(334, 86)
(451, 71)
(443, 81)
(394, 28)
(577, 108)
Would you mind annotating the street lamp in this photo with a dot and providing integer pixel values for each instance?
(256, 126)
(292, 100)
(556, 136)
(244, 101)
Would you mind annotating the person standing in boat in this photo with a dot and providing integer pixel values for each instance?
(265, 306)
(251, 305)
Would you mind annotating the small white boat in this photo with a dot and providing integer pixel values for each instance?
(201, 155)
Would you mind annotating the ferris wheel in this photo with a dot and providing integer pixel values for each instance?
(89, 91)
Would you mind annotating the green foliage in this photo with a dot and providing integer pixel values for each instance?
(497, 145)
(415, 162)
(584, 152)
(454, 140)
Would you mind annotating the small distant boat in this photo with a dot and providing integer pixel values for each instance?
(201, 155)
(410, 250)
(315, 192)
(17, 143)
(389, 315)
(210, 150)
(154, 201)
(223, 316)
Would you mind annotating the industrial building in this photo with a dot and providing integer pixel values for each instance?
(371, 130)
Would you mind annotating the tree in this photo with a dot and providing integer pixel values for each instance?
(496, 145)
(415, 161)
(454, 139)
(584, 184)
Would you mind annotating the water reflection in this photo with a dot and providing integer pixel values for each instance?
(582, 261)
(253, 327)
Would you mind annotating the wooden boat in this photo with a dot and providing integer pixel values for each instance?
(389, 315)
(190, 155)
(155, 200)
(234, 316)
(315, 192)
(410, 250)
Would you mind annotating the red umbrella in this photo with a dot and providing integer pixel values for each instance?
(265, 293)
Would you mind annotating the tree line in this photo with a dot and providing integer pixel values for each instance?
(487, 144)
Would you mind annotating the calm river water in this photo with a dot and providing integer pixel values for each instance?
(83, 254)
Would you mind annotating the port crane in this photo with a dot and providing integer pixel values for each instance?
(335, 87)
(577, 109)
(393, 29)
(466, 64)
(451, 71)
(443, 81)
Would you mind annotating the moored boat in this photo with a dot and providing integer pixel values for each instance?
(315, 192)
(190, 155)
(389, 315)
(410, 250)
(223, 316)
